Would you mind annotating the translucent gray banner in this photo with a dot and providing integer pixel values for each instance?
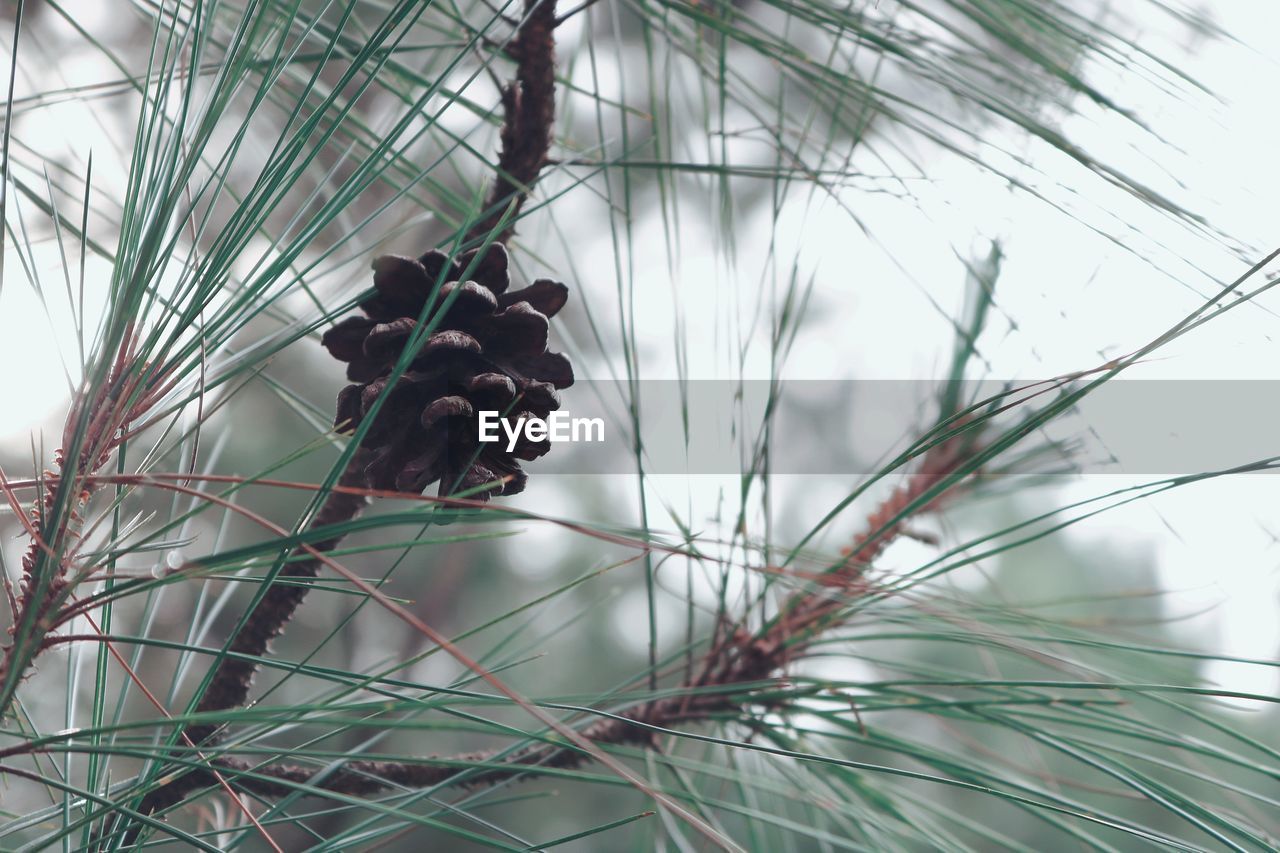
(1130, 427)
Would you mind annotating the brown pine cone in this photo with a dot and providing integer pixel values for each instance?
(487, 351)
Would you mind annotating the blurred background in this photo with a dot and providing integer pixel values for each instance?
(704, 237)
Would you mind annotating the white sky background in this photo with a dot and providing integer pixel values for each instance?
(1077, 299)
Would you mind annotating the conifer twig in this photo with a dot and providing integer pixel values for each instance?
(528, 115)
(742, 660)
(97, 424)
(528, 107)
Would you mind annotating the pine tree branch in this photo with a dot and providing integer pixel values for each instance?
(742, 660)
(231, 681)
(96, 425)
(528, 106)
(528, 115)
(229, 687)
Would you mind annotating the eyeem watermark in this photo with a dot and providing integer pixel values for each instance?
(559, 427)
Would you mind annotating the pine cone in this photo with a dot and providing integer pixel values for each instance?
(488, 352)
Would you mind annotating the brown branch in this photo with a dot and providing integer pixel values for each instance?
(528, 114)
(362, 778)
(234, 676)
(529, 110)
(742, 660)
(97, 423)
(229, 687)
(528, 107)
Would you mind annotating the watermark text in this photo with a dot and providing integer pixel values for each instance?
(560, 426)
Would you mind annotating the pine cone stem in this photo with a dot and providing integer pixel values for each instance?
(529, 107)
(232, 679)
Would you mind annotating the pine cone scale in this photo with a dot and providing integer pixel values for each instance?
(488, 352)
